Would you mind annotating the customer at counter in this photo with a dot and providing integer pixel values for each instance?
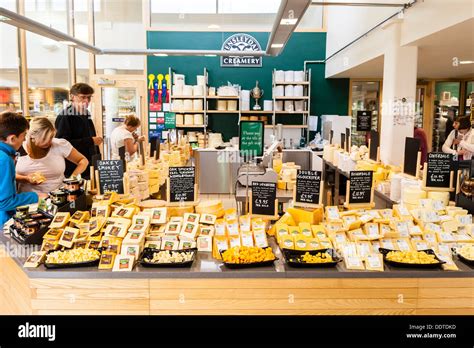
(464, 142)
(452, 141)
(125, 136)
(13, 128)
(75, 125)
(420, 134)
(46, 155)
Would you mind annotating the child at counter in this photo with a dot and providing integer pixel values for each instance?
(13, 128)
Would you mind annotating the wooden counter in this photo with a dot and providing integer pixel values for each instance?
(252, 292)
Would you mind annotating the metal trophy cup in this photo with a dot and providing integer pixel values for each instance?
(256, 93)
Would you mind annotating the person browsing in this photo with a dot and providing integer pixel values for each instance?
(47, 156)
(13, 128)
(125, 136)
(74, 124)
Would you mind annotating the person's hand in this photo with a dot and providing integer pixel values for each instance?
(42, 195)
(456, 141)
(462, 152)
(34, 179)
(140, 139)
(97, 140)
(135, 135)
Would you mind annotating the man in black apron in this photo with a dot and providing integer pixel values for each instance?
(74, 124)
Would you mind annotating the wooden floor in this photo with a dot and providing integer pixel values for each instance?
(392, 296)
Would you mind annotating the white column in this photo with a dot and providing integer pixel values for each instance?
(399, 83)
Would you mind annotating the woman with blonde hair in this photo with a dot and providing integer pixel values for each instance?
(46, 155)
(125, 136)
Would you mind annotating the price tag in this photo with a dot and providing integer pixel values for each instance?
(421, 246)
(308, 186)
(360, 188)
(403, 245)
(374, 261)
(263, 198)
(438, 205)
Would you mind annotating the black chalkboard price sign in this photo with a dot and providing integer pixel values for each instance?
(263, 198)
(181, 186)
(360, 188)
(110, 175)
(308, 187)
(438, 171)
(363, 121)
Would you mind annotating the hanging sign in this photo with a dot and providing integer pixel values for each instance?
(241, 42)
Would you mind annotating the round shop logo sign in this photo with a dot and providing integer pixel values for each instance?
(241, 42)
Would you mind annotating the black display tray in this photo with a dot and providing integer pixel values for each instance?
(148, 253)
(70, 265)
(290, 255)
(247, 265)
(384, 252)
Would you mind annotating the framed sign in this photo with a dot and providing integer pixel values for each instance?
(438, 172)
(263, 201)
(181, 185)
(364, 121)
(307, 190)
(170, 120)
(411, 162)
(110, 175)
(360, 188)
(348, 140)
(374, 146)
(251, 139)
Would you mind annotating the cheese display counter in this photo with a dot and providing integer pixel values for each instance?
(357, 281)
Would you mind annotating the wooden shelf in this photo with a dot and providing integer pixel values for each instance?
(292, 83)
(291, 112)
(189, 126)
(293, 126)
(260, 112)
(222, 97)
(187, 112)
(185, 97)
(221, 112)
(292, 98)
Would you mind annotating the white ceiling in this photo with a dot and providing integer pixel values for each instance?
(435, 55)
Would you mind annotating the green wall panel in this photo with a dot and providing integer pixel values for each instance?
(328, 96)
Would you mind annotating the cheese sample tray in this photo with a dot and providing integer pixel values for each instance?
(233, 265)
(58, 265)
(295, 258)
(437, 264)
(149, 254)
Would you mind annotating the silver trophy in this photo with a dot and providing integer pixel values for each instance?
(256, 93)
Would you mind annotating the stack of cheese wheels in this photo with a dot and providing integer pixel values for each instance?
(412, 196)
(211, 207)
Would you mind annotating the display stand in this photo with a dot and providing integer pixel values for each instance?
(417, 175)
(362, 193)
(264, 217)
(351, 206)
(310, 205)
(440, 189)
(183, 203)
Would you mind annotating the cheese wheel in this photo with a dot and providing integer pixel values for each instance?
(188, 104)
(198, 119)
(177, 89)
(198, 104)
(412, 195)
(441, 196)
(187, 90)
(179, 119)
(222, 105)
(189, 119)
(232, 105)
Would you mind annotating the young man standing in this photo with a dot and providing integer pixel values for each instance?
(74, 124)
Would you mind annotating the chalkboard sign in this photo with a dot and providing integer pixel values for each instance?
(472, 168)
(251, 138)
(364, 121)
(308, 186)
(181, 184)
(110, 175)
(348, 135)
(439, 168)
(360, 188)
(331, 136)
(374, 145)
(410, 162)
(263, 198)
(343, 141)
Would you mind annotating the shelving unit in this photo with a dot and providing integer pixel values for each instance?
(306, 98)
(222, 112)
(222, 97)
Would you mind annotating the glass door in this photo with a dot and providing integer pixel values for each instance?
(446, 110)
(364, 96)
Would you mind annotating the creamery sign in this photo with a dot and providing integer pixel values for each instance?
(241, 42)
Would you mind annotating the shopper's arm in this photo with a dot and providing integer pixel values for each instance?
(79, 160)
(448, 143)
(130, 146)
(63, 130)
(468, 145)
(9, 199)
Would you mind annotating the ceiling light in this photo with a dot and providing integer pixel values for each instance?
(213, 26)
(161, 55)
(288, 21)
(275, 45)
(466, 62)
(70, 43)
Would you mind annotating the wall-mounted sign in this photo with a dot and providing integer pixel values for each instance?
(241, 42)
(105, 82)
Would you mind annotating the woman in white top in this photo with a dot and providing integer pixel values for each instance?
(46, 155)
(124, 136)
(450, 146)
(464, 142)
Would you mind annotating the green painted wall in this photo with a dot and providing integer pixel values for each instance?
(452, 87)
(328, 96)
